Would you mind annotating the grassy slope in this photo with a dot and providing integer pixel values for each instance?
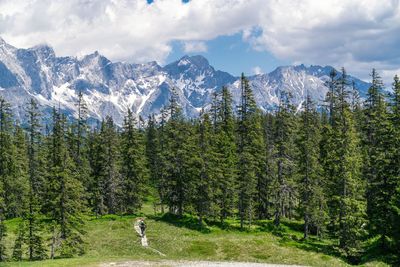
(113, 238)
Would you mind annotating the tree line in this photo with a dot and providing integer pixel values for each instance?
(336, 167)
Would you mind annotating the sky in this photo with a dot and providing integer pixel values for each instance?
(251, 36)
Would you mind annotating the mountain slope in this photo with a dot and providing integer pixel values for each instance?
(110, 88)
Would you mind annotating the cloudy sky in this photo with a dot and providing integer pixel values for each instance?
(253, 36)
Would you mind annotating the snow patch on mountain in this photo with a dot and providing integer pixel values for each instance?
(111, 88)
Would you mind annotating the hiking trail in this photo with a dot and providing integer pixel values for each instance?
(143, 239)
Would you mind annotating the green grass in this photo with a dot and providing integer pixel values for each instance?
(113, 238)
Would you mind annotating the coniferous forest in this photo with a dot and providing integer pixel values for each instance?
(335, 167)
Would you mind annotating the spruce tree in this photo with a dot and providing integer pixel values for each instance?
(377, 140)
(348, 187)
(312, 200)
(161, 170)
(134, 173)
(3, 229)
(152, 152)
(176, 155)
(109, 139)
(20, 178)
(34, 239)
(9, 177)
(65, 192)
(225, 149)
(394, 165)
(284, 190)
(5, 170)
(250, 146)
(103, 155)
(265, 183)
(77, 133)
(204, 171)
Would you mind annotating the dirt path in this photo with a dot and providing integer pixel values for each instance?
(191, 264)
(143, 240)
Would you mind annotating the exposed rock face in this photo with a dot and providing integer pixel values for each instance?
(111, 88)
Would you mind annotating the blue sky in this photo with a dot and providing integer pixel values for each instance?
(235, 35)
(231, 54)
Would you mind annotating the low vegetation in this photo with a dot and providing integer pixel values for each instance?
(112, 238)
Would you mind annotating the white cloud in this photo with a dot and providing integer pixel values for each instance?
(257, 70)
(356, 34)
(128, 30)
(194, 46)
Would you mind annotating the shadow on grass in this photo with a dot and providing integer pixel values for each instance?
(185, 221)
(375, 252)
(289, 232)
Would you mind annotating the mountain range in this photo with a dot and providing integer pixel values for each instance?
(110, 88)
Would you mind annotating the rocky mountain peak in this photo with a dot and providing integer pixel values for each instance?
(110, 88)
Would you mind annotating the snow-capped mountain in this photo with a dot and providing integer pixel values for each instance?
(111, 88)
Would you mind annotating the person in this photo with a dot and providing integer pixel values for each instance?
(142, 226)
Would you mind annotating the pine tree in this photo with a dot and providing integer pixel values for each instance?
(133, 171)
(35, 240)
(9, 178)
(78, 144)
(161, 170)
(176, 156)
(225, 149)
(3, 229)
(331, 95)
(104, 158)
(5, 171)
(109, 139)
(394, 165)
(250, 146)
(20, 178)
(152, 152)
(204, 175)
(377, 139)
(312, 201)
(65, 192)
(81, 127)
(285, 127)
(96, 183)
(348, 187)
(265, 183)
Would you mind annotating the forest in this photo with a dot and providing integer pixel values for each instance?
(334, 166)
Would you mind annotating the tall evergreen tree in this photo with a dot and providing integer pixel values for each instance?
(348, 187)
(250, 146)
(265, 183)
(177, 158)
(35, 239)
(161, 171)
(377, 140)
(153, 152)
(394, 166)
(96, 188)
(285, 127)
(5, 172)
(225, 149)
(65, 192)
(204, 173)
(312, 201)
(3, 229)
(133, 170)
(109, 164)
(8, 171)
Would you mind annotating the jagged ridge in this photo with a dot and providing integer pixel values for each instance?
(111, 88)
